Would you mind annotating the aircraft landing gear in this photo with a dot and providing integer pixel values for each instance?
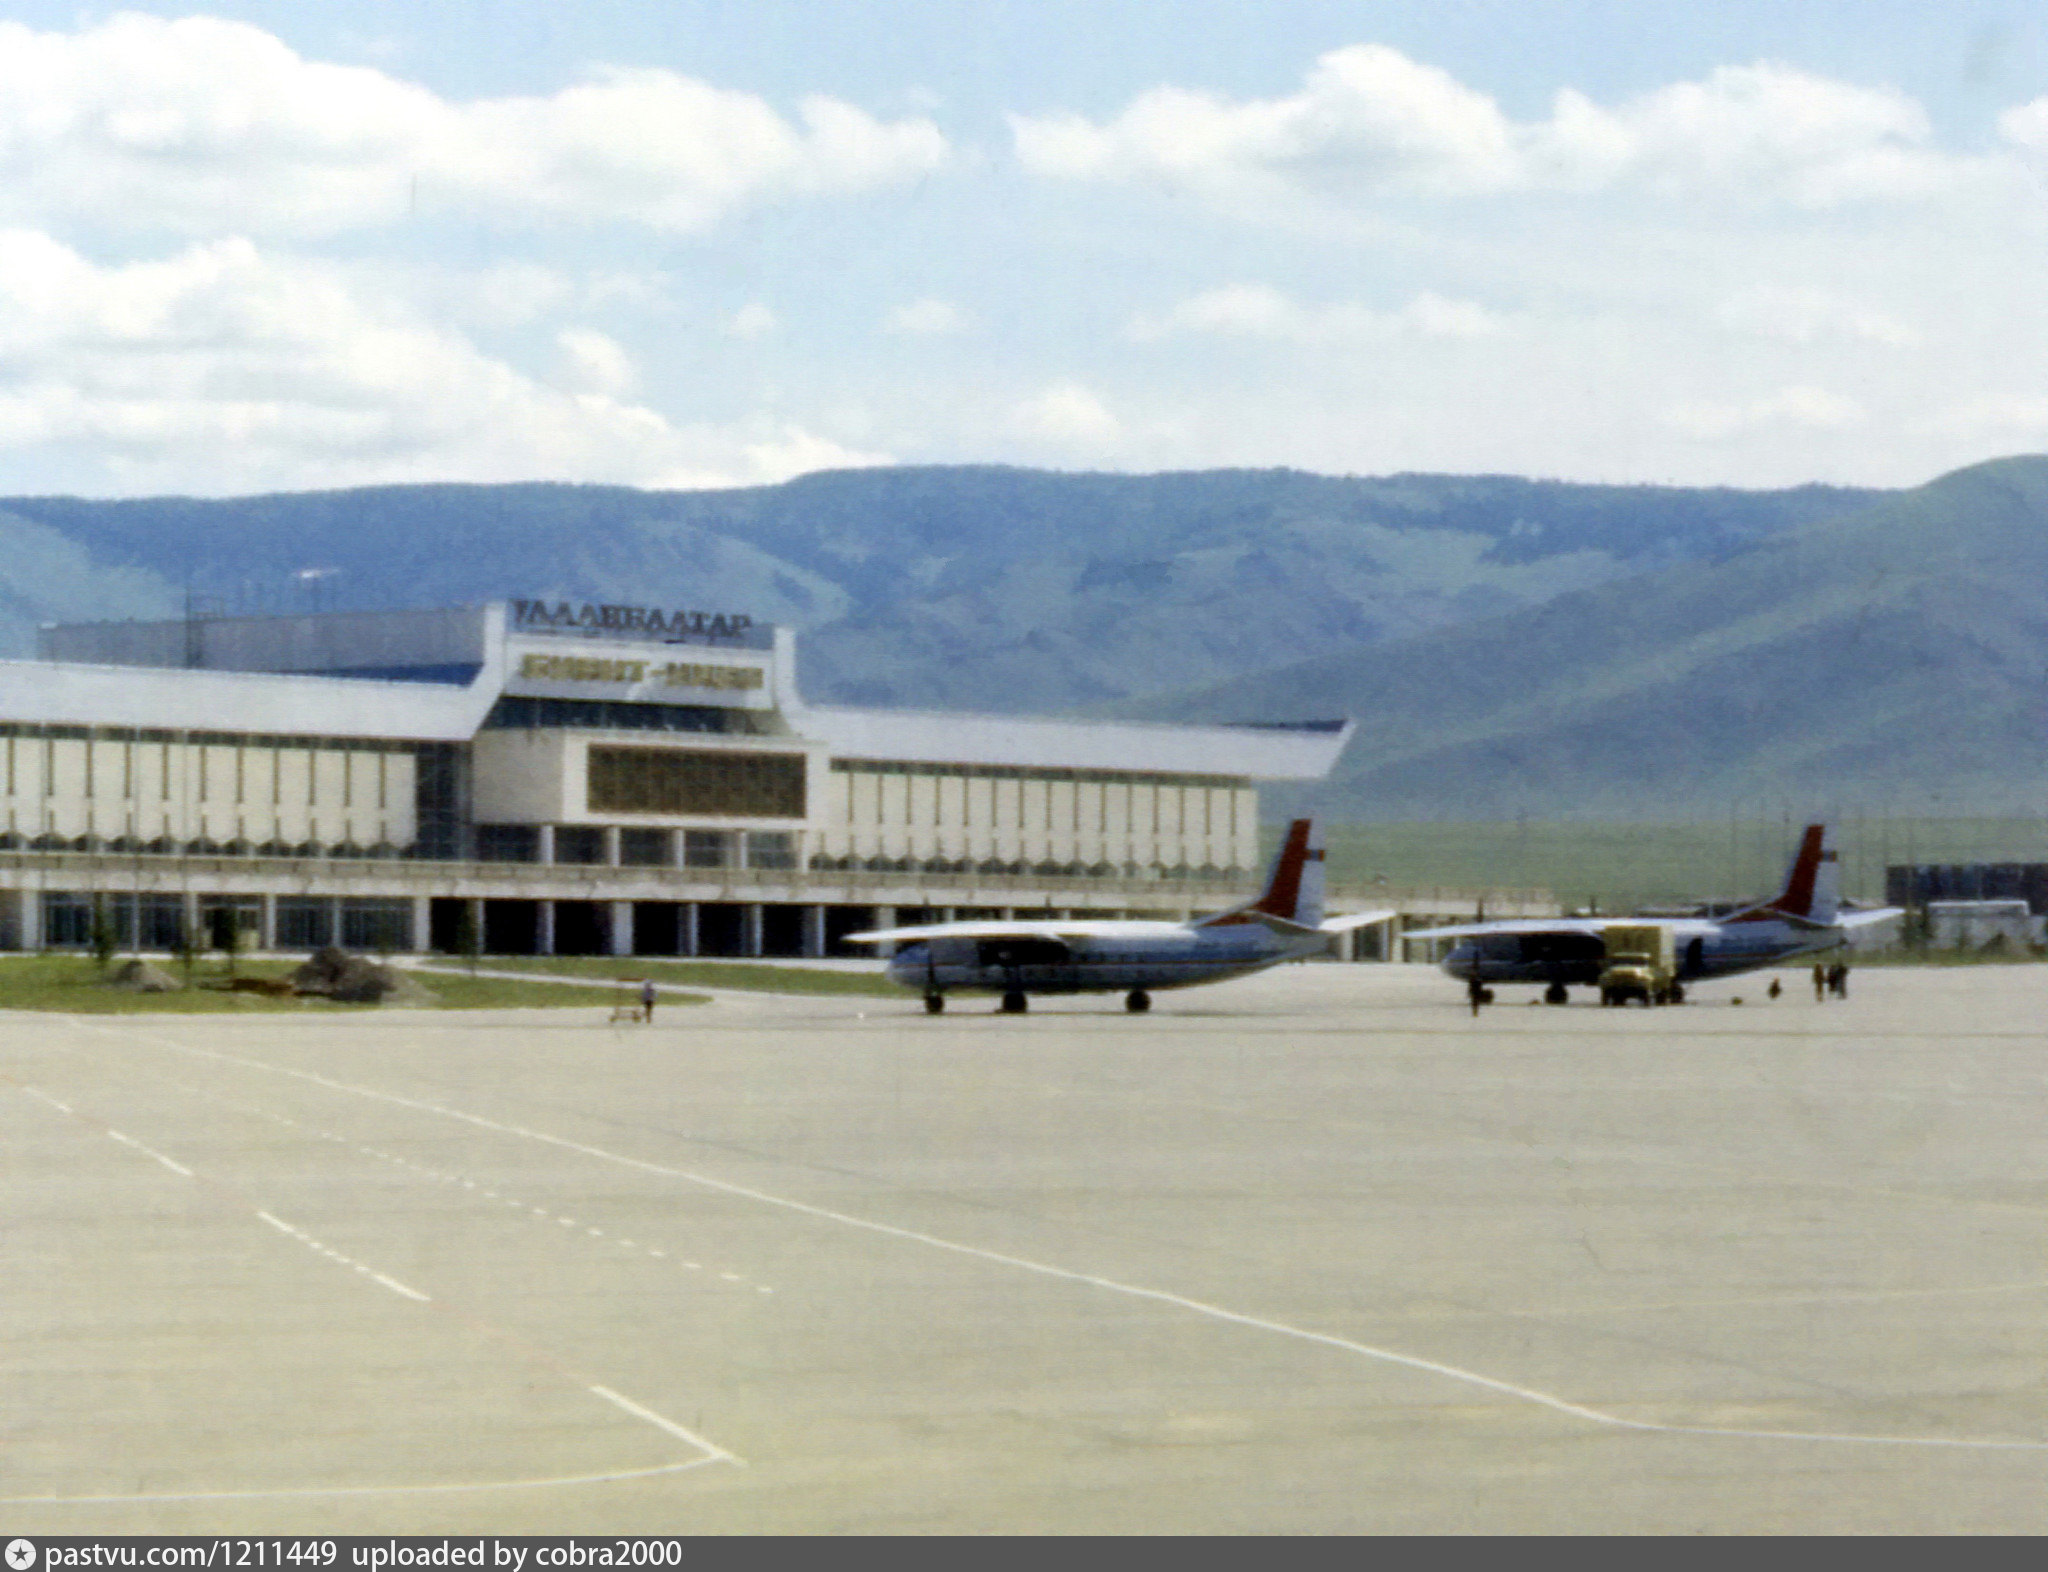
(934, 1004)
(1014, 1002)
(1137, 1001)
(1557, 993)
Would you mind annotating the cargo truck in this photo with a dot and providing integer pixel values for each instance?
(1642, 963)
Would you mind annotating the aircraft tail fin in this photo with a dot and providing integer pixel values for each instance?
(1813, 884)
(1294, 888)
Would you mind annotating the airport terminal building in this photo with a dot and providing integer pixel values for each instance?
(549, 777)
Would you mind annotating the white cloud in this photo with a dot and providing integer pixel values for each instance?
(927, 319)
(223, 368)
(203, 126)
(1367, 116)
(752, 320)
(2001, 417)
(1808, 316)
(596, 363)
(1765, 130)
(1067, 415)
(1810, 408)
(2025, 126)
(1258, 311)
(1368, 121)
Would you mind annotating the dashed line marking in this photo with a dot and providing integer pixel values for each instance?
(379, 1155)
(150, 1151)
(513, 1201)
(336, 1256)
(1454, 1373)
(709, 1453)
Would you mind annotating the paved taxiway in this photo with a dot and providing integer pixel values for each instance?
(1312, 1251)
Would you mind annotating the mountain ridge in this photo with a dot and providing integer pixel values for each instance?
(1899, 651)
(966, 587)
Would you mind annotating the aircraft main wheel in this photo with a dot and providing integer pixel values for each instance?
(1137, 1001)
(1557, 993)
(934, 1004)
(1013, 1002)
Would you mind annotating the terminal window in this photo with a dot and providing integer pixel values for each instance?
(685, 781)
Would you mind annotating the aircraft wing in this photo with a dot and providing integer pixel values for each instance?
(1683, 927)
(1868, 918)
(1021, 928)
(1354, 920)
(1473, 930)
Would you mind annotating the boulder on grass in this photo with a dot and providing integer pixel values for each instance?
(336, 974)
(141, 977)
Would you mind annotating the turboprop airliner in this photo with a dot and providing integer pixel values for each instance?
(1804, 918)
(1020, 958)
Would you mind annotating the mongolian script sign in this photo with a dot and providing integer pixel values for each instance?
(672, 674)
(647, 621)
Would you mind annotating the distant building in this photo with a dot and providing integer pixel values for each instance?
(1970, 925)
(546, 777)
(1965, 905)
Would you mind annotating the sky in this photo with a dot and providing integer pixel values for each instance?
(271, 247)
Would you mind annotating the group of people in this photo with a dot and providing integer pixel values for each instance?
(1830, 979)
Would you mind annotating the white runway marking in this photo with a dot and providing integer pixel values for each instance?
(513, 1201)
(711, 1453)
(1389, 1356)
(147, 1151)
(332, 1254)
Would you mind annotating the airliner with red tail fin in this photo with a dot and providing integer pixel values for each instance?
(1019, 958)
(1805, 917)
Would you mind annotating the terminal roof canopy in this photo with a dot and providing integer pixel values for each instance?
(435, 676)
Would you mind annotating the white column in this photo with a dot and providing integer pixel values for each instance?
(266, 925)
(814, 931)
(750, 930)
(422, 922)
(611, 845)
(31, 919)
(622, 916)
(686, 929)
(545, 940)
(547, 843)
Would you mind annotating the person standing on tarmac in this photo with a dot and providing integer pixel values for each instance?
(647, 1001)
(1820, 983)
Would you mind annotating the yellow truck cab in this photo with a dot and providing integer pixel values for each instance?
(1642, 963)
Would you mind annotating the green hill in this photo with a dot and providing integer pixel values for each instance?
(1891, 659)
(970, 588)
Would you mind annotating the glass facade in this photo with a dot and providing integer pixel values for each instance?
(686, 781)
